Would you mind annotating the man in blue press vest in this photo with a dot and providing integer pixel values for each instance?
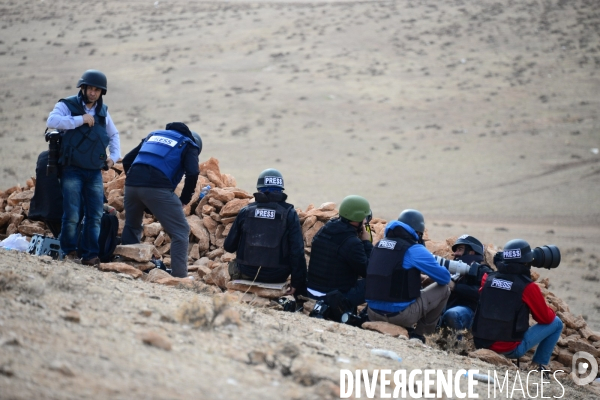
(154, 169)
(86, 131)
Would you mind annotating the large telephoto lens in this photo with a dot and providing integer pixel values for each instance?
(546, 257)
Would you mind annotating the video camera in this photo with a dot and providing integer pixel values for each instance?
(53, 139)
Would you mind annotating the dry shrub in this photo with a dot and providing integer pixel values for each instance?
(8, 280)
(453, 341)
(195, 313)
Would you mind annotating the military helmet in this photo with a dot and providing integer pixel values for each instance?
(470, 241)
(198, 140)
(355, 208)
(93, 77)
(517, 250)
(270, 178)
(414, 219)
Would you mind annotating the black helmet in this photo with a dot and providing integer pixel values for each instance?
(517, 250)
(470, 241)
(198, 140)
(93, 77)
(414, 219)
(270, 178)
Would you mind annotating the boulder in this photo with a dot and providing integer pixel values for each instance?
(200, 232)
(17, 198)
(233, 207)
(137, 252)
(152, 229)
(156, 274)
(221, 194)
(257, 290)
(219, 276)
(491, 357)
(120, 267)
(385, 328)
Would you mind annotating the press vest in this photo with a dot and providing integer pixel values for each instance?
(327, 271)
(502, 315)
(84, 146)
(163, 150)
(387, 279)
(263, 228)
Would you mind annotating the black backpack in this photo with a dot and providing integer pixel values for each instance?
(108, 239)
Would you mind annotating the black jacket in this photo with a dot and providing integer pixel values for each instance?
(466, 289)
(294, 259)
(337, 266)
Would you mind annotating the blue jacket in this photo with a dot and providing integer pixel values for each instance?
(416, 256)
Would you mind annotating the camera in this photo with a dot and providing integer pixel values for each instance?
(319, 310)
(53, 139)
(287, 304)
(546, 257)
(353, 319)
(453, 266)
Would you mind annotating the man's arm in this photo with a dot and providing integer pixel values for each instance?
(532, 296)
(356, 253)
(190, 163)
(130, 157)
(60, 118)
(419, 257)
(114, 143)
(233, 237)
(297, 259)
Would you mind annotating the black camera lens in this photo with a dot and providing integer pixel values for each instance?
(546, 257)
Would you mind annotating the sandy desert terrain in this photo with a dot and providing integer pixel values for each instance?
(481, 114)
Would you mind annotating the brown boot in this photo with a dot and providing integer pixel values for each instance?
(73, 257)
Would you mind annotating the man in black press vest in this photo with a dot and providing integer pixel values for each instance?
(267, 237)
(507, 298)
(86, 131)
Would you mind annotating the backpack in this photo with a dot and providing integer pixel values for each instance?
(108, 240)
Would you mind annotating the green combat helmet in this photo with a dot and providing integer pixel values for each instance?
(270, 178)
(355, 208)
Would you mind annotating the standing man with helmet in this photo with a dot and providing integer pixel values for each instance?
(394, 292)
(462, 303)
(507, 298)
(340, 253)
(154, 169)
(267, 237)
(87, 130)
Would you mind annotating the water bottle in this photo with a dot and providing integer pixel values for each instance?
(204, 191)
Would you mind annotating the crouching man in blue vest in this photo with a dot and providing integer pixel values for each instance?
(86, 131)
(393, 291)
(154, 169)
(267, 237)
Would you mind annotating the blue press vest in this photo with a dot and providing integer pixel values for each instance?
(163, 150)
(84, 146)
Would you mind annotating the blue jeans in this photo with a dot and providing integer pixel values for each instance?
(81, 189)
(458, 317)
(544, 336)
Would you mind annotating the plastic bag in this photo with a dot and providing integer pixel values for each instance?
(16, 241)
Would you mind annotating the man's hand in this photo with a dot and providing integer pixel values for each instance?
(88, 119)
(364, 235)
(110, 163)
(290, 291)
(451, 285)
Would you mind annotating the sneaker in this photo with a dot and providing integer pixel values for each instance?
(73, 257)
(544, 370)
(93, 262)
(413, 335)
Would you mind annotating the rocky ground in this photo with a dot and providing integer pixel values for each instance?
(72, 332)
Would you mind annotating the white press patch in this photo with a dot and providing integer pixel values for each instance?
(464, 237)
(508, 254)
(264, 213)
(274, 180)
(501, 284)
(163, 140)
(387, 244)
